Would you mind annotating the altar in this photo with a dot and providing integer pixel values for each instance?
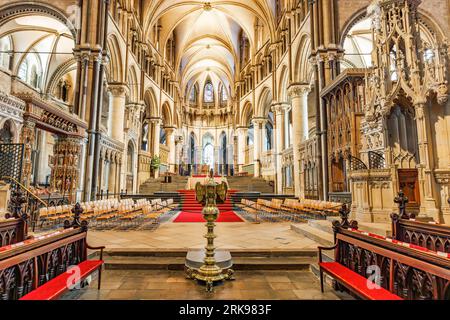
(203, 179)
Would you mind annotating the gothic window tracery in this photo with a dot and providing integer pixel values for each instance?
(208, 96)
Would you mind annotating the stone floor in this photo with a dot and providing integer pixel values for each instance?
(172, 285)
(190, 236)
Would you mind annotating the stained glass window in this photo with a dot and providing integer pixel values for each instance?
(209, 93)
(193, 97)
(224, 94)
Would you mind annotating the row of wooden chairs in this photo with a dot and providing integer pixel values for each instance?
(312, 207)
(103, 212)
(267, 211)
(304, 208)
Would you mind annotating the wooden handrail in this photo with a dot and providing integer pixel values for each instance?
(27, 190)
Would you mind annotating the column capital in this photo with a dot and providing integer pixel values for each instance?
(118, 89)
(280, 107)
(170, 129)
(259, 120)
(155, 120)
(298, 90)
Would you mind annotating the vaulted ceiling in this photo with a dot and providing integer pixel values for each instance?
(207, 34)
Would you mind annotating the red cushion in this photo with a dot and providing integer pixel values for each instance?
(57, 286)
(357, 282)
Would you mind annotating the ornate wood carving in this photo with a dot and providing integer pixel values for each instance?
(344, 101)
(408, 273)
(64, 165)
(11, 231)
(25, 268)
(432, 236)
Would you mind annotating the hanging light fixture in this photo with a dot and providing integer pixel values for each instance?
(207, 6)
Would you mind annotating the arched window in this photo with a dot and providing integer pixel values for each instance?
(208, 96)
(193, 96)
(130, 152)
(250, 133)
(30, 70)
(163, 137)
(145, 128)
(224, 94)
(23, 70)
(192, 149)
(5, 46)
(269, 133)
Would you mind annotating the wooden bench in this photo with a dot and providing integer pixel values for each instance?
(56, 287)
(37, 266)
(405, 271)
(406, 228)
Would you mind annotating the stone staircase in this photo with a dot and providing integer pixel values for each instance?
(250, 184)
(153, 186)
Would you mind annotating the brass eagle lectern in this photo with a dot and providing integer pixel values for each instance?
(209, 195)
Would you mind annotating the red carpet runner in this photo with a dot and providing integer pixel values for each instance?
(191, 210)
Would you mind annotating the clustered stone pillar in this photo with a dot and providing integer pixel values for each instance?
(112, 174)
(118, 94)
(299, 94)
(257, 144)
(156, 122)
(241, 133)
(279, 110)
(170, 134)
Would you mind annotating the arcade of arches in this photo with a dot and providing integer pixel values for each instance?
(317, 99)
(297, 94)
(331, 101)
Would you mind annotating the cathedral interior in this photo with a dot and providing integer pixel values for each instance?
(312, 138)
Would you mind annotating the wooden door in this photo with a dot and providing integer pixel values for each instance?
(409, 183)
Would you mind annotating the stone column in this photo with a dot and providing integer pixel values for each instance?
(118, 93)
(170, 134)
(279, 110)
(156, 137)
(257, 144)
(426, 177)
(112, 175)
(240, 133)
(299, 94)
(118, 172)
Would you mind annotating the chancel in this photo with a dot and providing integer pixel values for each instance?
(307, 141)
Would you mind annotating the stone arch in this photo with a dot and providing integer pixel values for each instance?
(9, 127)
(302, 70)
(265, 102)
(114, 68)
(133, 84)
(11, 11)
(166, 115)
(283, 84)
(151, 109)
(247, 114)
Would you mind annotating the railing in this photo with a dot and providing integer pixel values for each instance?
(32, 203)
(29, 192)
(376, 160)
(356, 164)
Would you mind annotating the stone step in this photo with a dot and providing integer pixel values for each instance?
(169, 253)
(239, 263)
(322, 237)
(323, 225)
